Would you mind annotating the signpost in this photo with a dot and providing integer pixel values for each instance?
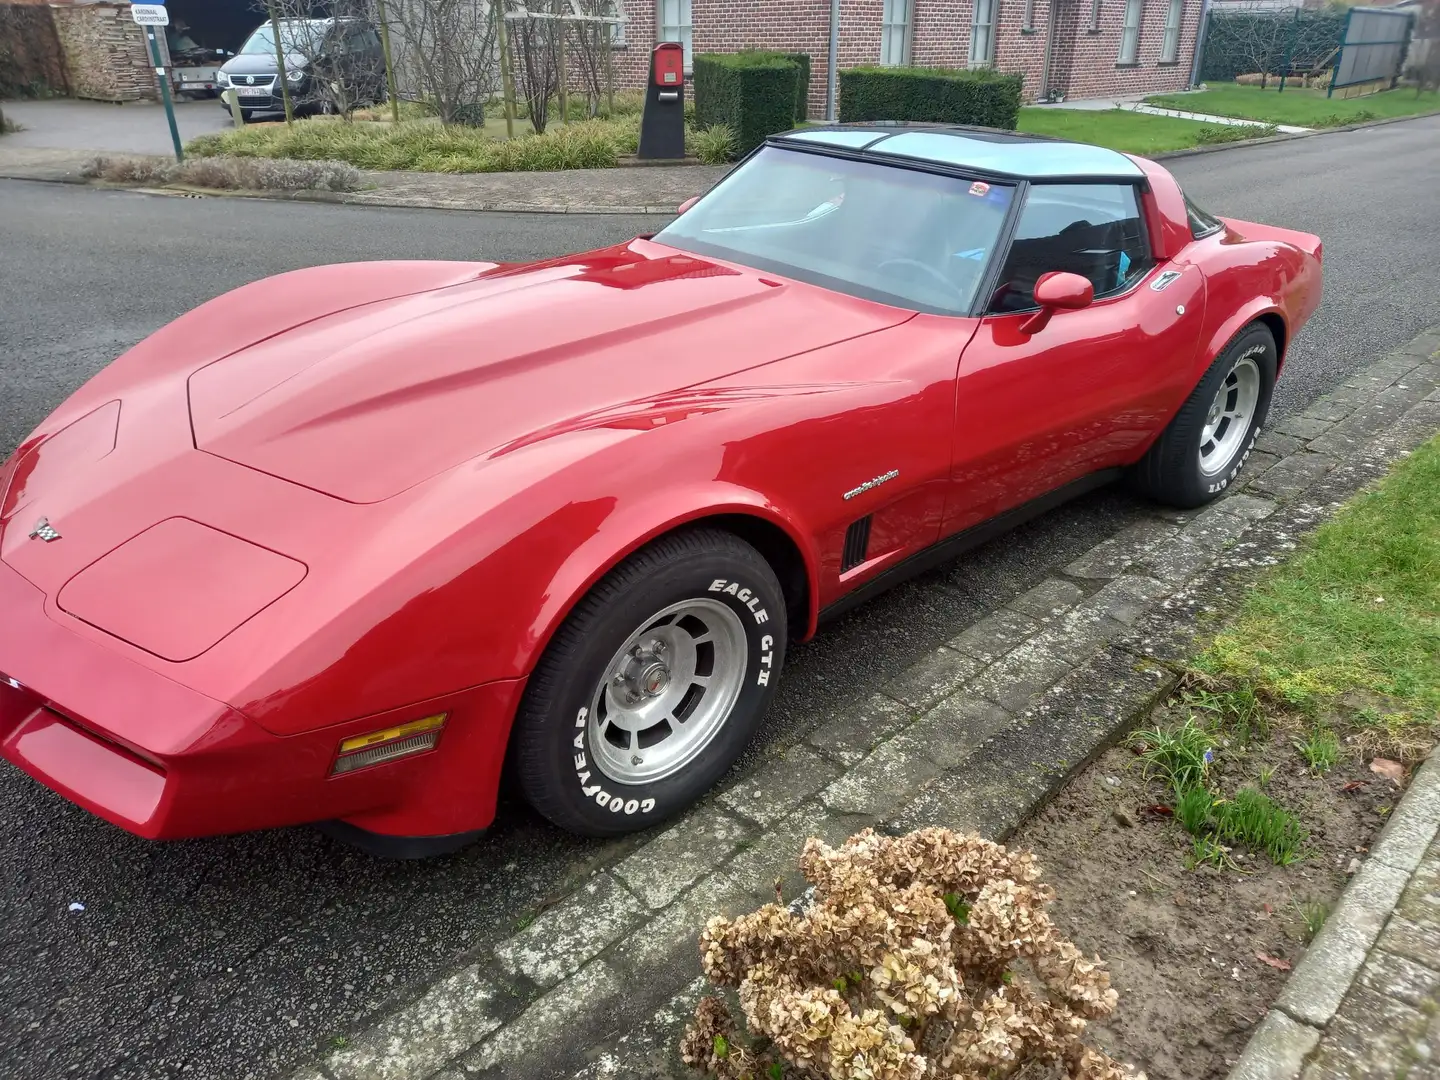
(150, 16)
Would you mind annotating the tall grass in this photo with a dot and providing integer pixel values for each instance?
(430, 147)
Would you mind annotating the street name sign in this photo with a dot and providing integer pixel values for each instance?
(150, 14)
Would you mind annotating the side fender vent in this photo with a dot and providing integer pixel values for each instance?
(857, 544)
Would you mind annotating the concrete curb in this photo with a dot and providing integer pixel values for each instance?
(1332, 964)
(978, 734)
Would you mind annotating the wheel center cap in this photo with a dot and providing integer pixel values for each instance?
(654, 679)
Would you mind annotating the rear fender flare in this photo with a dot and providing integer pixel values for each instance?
(1228, 330)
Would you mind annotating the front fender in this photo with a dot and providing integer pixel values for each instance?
(634, 525)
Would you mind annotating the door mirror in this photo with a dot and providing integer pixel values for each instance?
(1058, 291)
(688, 203)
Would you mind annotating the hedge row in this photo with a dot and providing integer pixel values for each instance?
(979, 97)
(754, 93)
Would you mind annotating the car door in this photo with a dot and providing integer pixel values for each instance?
(1035, 411)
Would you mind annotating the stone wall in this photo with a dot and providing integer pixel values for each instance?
(105, 52)
(31, 61)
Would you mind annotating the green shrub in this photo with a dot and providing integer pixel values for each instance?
(754, 93)
(428, 146)
(802, 91)
(981, 97)
(715, 145)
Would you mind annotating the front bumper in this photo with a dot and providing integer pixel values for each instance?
(166, 762)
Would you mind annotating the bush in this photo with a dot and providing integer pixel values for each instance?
(1223, 133)
(802, 92)
(227, 173)
(715, 145)
(428, 146)
(754, 93)
(981, 97)
(927, 955)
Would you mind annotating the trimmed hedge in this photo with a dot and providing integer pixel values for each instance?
(979, 97)
(754, 93)
(802, 92)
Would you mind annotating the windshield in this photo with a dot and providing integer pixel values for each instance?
(897, 235)
(299, 35)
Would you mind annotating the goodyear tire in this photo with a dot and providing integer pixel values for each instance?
(1202, 450)
(653, 686)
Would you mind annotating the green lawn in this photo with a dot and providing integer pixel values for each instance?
(1356, 610)
(1306, 108)
(1130, 132)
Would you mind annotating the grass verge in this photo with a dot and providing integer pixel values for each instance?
(1299, 106)
(1351, 624)
(1131, 132)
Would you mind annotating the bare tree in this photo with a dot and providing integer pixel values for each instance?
(1262, 46)
(535, 45)
(590, 41)
(330, 65)
(448, 54)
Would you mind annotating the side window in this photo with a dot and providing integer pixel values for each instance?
(1093, 230)
(1201, 223)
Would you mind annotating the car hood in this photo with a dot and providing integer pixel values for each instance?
(363, 403)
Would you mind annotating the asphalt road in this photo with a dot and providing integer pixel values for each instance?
(245, 956)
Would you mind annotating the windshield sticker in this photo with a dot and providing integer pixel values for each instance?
(979, 187)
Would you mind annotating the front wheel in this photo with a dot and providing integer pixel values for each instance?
(1205, 446)
(653, 686)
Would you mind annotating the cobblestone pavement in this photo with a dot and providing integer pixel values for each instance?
(1365, 1001)
(976, 735)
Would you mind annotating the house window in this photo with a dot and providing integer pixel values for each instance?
(982, 34)
(1029, 23)
(1130, 34)
(1170, 52)
(615, 9)
(1094, 16)
(895, 32)
(675, 25)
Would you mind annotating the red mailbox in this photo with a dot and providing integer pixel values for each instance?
(662, 125)
(669, 65)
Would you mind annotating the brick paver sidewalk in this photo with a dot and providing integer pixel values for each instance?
(1365, 1001)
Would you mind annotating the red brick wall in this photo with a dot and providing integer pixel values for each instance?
(1084, 64)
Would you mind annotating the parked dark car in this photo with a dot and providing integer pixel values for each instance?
(331, 64)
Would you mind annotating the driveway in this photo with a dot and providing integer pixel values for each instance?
(245, 956)
(136, 127)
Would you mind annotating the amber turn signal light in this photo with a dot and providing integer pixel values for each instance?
(378, 747)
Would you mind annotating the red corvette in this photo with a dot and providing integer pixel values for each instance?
(335, 546)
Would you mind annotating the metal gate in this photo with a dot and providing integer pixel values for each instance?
(1372, 48)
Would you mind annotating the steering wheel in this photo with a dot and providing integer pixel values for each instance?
(930, 271)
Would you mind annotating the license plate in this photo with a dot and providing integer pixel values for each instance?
(253, 91)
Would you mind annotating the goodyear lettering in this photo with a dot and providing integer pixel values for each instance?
(616, 804)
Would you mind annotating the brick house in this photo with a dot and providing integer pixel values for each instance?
(1063, 48)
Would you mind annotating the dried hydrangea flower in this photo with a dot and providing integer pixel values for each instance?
(903, 969)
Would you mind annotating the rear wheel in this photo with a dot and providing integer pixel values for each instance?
(1202, 450)
(653, 686)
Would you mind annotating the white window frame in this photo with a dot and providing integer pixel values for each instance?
(1029, 20)
(1094, 26)
(982, 34)
(682, 29)
(896, 19)
(1174, 19)
(616, 9)
(1130, 32)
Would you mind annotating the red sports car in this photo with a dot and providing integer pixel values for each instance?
(338, 545)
